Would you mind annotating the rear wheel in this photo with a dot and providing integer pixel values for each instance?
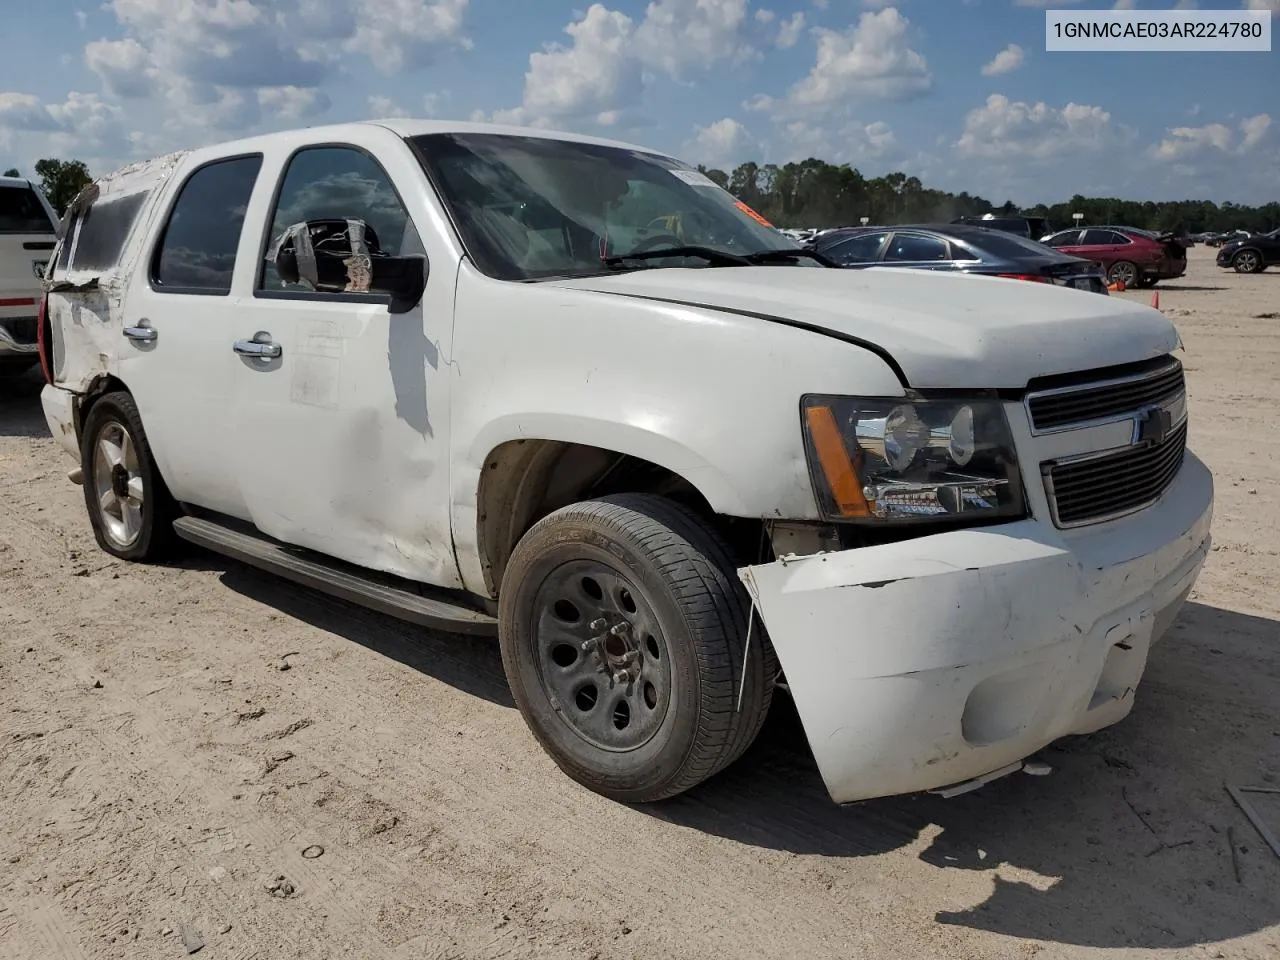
(624, 634)
(129, 506)
(1247, 261)
(1124, 272)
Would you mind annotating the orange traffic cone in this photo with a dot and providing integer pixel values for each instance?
(1155, 300)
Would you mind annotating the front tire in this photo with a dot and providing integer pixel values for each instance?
(1247, 261)
(129, 506)
(623, 631)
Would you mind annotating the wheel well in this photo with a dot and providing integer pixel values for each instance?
(524, 480)
(99, 388)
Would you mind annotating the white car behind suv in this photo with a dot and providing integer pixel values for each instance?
(571, 392)
(27, 234)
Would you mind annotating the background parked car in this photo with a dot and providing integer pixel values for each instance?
(1136, 258)
(960, 248)
(27, 234)
(1033, 228)
(1251, 254)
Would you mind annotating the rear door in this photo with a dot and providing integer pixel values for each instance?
(180, 319)
(27, 236)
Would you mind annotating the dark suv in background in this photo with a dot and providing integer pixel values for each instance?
(1033, 228)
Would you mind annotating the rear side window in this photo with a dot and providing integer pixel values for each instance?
(197, 252)
(1067, 239)
(22, 212)
(96, 237)
(1010, 246)
(908, 248)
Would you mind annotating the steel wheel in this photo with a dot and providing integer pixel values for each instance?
(1246, 261)
(1124, 272)
(602, 656)
(118, 484)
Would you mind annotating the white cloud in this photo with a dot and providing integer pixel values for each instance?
(83, 125)
(724, 143)
(676, 34)
(293, 103)
(603, 72)
(1004, 129)
(1272, 5)
(869, 60)
(1125, 5)
(847, 142)
(1186, 5)
(406, 33)
(596, 74)
(1045, 3)
(1186, 143)
(383, 108)
(123, 66)
(1006, 61)
(764, 15)
(789, 30)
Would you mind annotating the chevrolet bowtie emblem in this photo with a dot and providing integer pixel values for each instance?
(1152, 425)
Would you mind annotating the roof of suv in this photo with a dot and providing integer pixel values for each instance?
(415, 128)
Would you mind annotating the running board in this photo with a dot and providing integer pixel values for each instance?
(368, 589)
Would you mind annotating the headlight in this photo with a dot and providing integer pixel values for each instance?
(876, 459)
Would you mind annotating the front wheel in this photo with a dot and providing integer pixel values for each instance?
(1246, 261)
(129, 506)
(624, 634)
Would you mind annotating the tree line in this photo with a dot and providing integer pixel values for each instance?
(814, 193)
(60, 180)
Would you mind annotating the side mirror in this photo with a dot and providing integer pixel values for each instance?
(343, 256)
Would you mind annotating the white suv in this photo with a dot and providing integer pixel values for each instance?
(571, 392)
(27, 233)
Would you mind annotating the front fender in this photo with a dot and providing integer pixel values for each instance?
(711, 396)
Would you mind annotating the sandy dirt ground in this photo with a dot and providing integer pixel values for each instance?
(201, 751)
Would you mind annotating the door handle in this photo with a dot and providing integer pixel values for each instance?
(142, 333)
(259, 347)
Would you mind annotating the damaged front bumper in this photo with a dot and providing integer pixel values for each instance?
(931, 662)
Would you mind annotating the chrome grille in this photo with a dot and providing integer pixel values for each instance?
(1097, 487)
(1071, 406)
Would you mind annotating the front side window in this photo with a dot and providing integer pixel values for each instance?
(338, 184)
(22, 212)
(197, 252)
(914, 248)
(532, 207)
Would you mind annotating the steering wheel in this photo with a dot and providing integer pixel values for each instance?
(658, 240)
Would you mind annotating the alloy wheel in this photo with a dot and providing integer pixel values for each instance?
(117, 482)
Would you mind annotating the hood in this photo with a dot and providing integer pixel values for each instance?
(941, 330)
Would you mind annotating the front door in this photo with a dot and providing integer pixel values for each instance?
(349, 421)
(179, 314)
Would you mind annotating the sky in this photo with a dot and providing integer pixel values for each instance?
(959, 93)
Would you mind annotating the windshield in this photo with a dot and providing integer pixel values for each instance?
(22, 212)
(531, 208)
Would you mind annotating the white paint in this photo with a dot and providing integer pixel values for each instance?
(367, 438)
(883, 647)
(694, 179)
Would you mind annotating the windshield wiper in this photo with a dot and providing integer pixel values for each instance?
(774, 256)
(716, 258)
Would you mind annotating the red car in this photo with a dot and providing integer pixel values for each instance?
(1136, 258)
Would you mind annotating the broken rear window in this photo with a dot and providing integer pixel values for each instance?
(22, 212)
(101, 230)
